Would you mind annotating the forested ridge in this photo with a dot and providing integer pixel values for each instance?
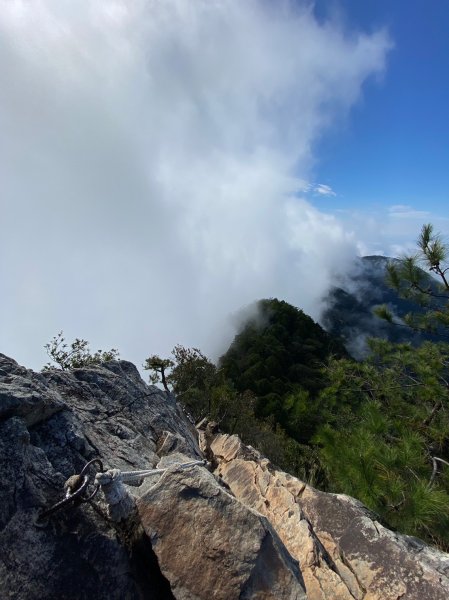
(376, 429)
(279, 356)
(349, 307)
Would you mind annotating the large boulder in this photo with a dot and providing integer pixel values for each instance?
(210, 545)
(51, 424)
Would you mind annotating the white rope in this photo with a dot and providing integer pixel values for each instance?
(120, 502)
(131, 476)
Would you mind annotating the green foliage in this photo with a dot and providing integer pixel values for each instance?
(409, 277)
(386, 436)
(433, 251)
(189, 374)
(279, 356)
(76, 355)
(157, 367)
(205, 390)
(387, 417)
(192, 378)
(384, 313)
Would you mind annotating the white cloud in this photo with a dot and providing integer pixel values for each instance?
(150, 156)
(323, 190)
(404, 211)
(391, 230)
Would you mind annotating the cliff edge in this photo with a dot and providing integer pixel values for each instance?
(235, 528)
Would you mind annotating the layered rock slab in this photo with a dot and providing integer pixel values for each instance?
(209, 545)
(343, 551)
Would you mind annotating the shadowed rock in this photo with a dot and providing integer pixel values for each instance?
(210, 545)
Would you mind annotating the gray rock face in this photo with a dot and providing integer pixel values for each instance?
(25, 394)
(245, 532)
(51, 424)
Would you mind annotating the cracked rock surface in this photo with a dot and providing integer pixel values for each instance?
(192, 539)
(344, 553)
(246, 531)
(210, 545)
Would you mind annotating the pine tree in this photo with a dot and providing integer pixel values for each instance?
(386, 440)
(422, 277)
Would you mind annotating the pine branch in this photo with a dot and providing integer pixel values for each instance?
(435, 410)
(435, 461)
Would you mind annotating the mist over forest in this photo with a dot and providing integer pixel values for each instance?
(168, 149)
(231, 195)
(358, 409)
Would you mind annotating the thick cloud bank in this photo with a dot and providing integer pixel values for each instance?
(152, 157)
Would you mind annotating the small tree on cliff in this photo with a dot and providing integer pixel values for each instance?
(76, 355)
(190, 375)
(157, 367)
(193, 374)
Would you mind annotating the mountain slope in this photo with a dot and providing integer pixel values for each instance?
(279, 350)
(349, 308)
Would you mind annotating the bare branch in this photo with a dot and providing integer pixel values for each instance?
(435, 460)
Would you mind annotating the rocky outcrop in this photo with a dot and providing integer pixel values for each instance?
(209, 544)
(191, 538)
(343, 551)
(51, 424)
(245, 530)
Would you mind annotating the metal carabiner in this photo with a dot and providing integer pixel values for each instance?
(75, 487)
(97, 486)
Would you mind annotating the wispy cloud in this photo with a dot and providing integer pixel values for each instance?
(323, 190)
(150, 156)
(404, 211)
(391, 230)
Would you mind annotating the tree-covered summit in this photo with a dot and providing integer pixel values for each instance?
(279, 350)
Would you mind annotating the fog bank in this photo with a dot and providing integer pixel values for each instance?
(154, 159)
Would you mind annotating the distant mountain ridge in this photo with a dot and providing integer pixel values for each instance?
(349, 308)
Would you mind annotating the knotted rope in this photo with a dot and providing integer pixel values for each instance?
(120, 503)
(76, 491)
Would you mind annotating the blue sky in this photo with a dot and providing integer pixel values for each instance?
(394, 147)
